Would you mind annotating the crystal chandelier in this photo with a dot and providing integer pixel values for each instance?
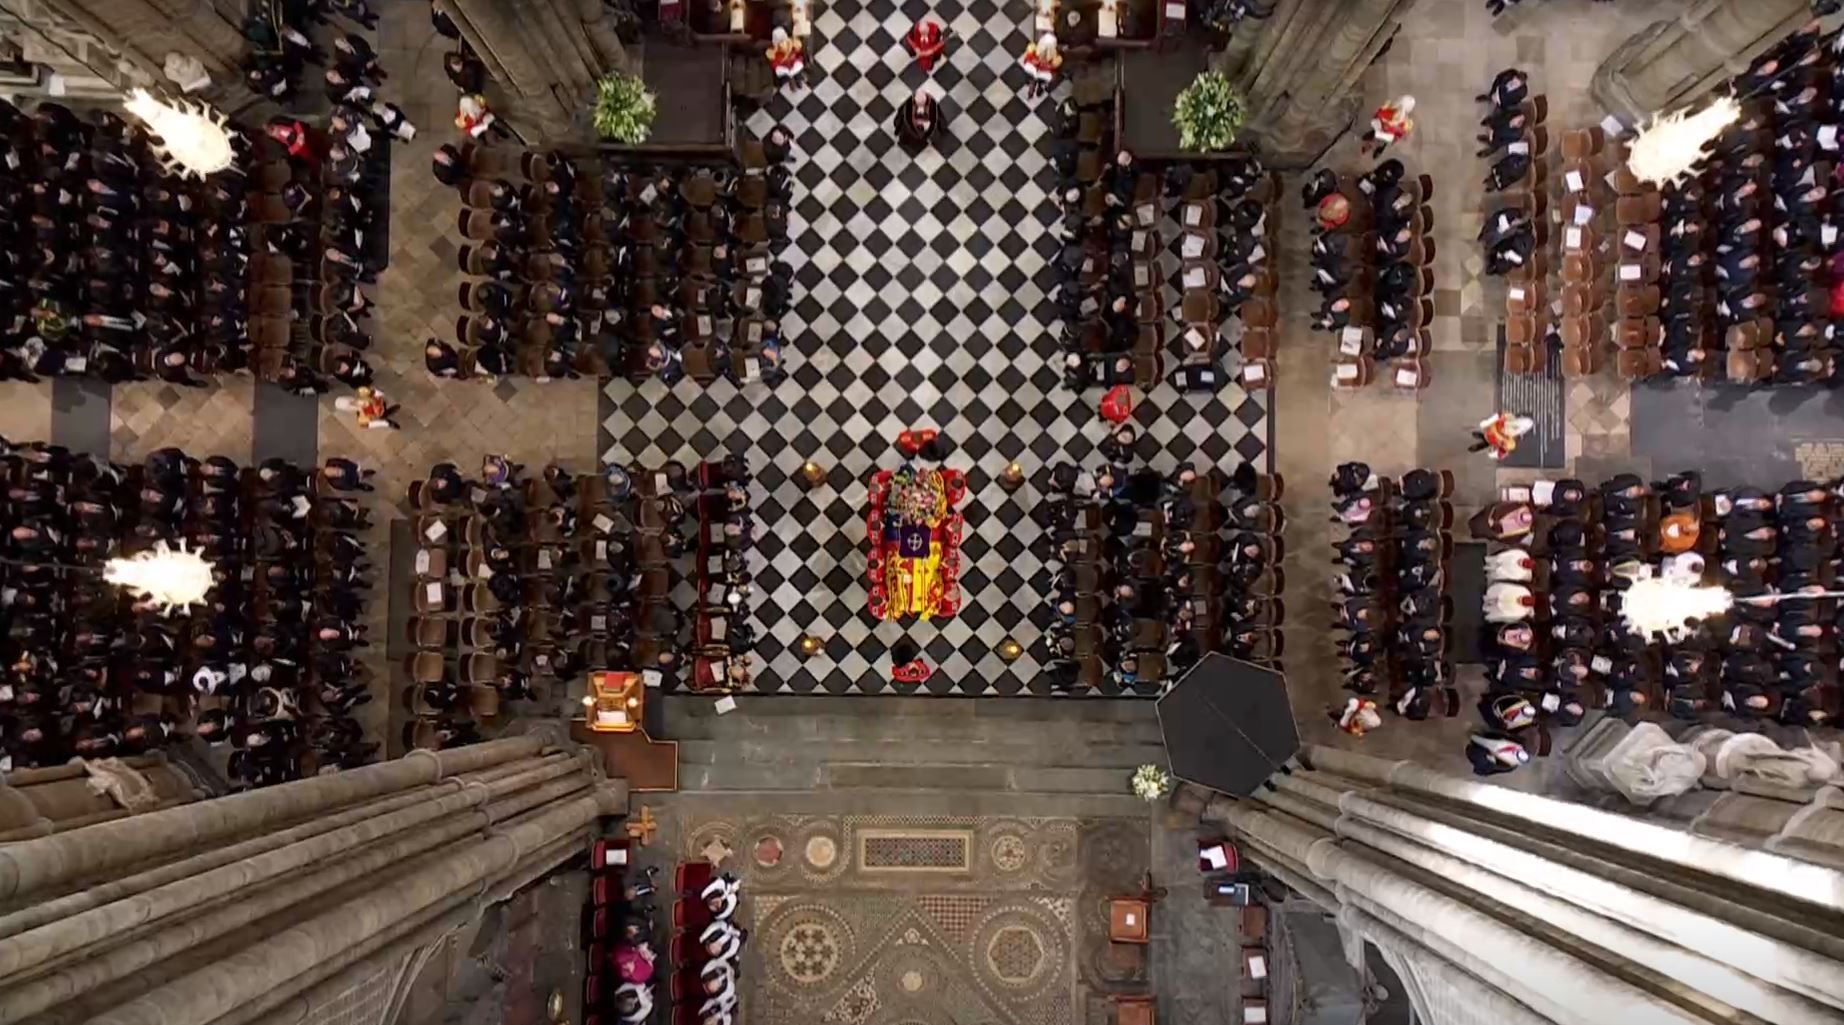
(1671, 145)
(172, 578)
(192, 137)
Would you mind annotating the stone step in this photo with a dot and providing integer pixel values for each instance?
(1016, 752)
(848, 776)
(794, 720)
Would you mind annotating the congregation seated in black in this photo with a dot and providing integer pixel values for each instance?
(1750, 241)
(109, 266)
(265, 663)
(1392, 599)
(1372, 262)
(1567, 552)
(566, 573)
(1109, 273)
(1145, 582)
(634, 271)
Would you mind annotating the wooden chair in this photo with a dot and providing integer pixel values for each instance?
(1410, 375)
(1352, 374)
(1639, 364)
(425, 667)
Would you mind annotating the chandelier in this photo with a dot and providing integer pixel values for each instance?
(172, 578)
(192, 137)
(1671, 145)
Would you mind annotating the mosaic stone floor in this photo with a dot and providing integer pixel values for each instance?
(961, 233)
(923, 920)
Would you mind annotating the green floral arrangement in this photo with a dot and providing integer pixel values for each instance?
(624, 109)
(1151, 782)
(1208, 113)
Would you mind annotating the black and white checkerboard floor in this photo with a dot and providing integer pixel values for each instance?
(921, 302)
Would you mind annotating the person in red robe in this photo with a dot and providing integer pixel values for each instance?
(925, 42)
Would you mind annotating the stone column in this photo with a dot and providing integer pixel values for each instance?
(144, 31)
(229, 932)
(1559, 907)
(1671, 63)
(1298, 72)
(39, 802)
(545, 56)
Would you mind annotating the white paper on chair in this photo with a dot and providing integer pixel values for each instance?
(725, 705)
(617, 856)
(756, 265)
(1631, 272)
(1406, 378)
(1253, 373)
(1193, 214)
(1828, 136)
(1520, 148)
(601, 551)
(1138, 242)
(603, 523)
(650, 677)
(1195, 278)
(1215, 858)
(1828, 233)
(479, 495)
(1635, 240)
(1258, 967)
(1542, 493)
(660, 484)
(76, 364)
(1147, 214)
(1257, 253)
(486, 571)
(752, 331)
(752, 298)
(1143, 528)
(1141, 275)
(544, 558)
(1346, 371)
(1571, 238)
(436, 531)
(541, 661)
(1574, 181)
(422, 561)
(1195, 339)
(1253, 1014)
(1352, 346)
(1583, 213)
(598, 623)
(1516, 294)
(433, 592)
(1193, 247)
(1175, 12)
(1601, 664)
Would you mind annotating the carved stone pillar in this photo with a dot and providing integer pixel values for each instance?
(545, 55)
(145, 31)
(1672, 62)
(1298, 69)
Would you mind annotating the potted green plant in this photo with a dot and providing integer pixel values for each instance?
(1208, 113)
(624, 108)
